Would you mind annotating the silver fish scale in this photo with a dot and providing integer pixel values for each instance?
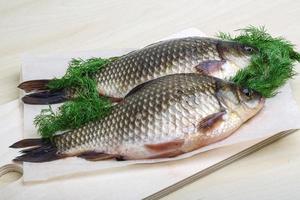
(153, 61)
(164, 109)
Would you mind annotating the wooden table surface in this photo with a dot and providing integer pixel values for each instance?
(41, 27)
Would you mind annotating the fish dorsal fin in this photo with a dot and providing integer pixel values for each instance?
(138, 87)
(211, 121)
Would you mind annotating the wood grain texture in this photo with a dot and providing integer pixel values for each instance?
(41, 27)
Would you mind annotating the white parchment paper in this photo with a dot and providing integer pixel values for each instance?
(280, 113)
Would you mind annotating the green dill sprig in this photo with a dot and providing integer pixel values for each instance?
(78, 75)
(71, 115)
(85, 107)
(271, 67)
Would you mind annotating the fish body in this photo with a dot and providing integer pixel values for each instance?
(162, 118)
(202, 55)
(209, 56)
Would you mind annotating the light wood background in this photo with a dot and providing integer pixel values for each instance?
(53, 26)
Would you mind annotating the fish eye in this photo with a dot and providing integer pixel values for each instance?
(248, 49)
(247, 92)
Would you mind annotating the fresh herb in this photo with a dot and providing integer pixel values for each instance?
(271, 67)
(85, 107)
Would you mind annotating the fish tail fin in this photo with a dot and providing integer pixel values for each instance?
(27, 143)
(34, 85)
(42, 95)
(45, 97)
(42, 150)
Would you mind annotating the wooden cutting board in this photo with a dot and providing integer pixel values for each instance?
(167, 177)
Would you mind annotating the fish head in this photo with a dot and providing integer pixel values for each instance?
(236, 55)
(243, 101)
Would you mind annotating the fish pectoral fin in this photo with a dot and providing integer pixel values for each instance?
(209, 66)
(95, 156)
(211, 121)
(166, 146)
